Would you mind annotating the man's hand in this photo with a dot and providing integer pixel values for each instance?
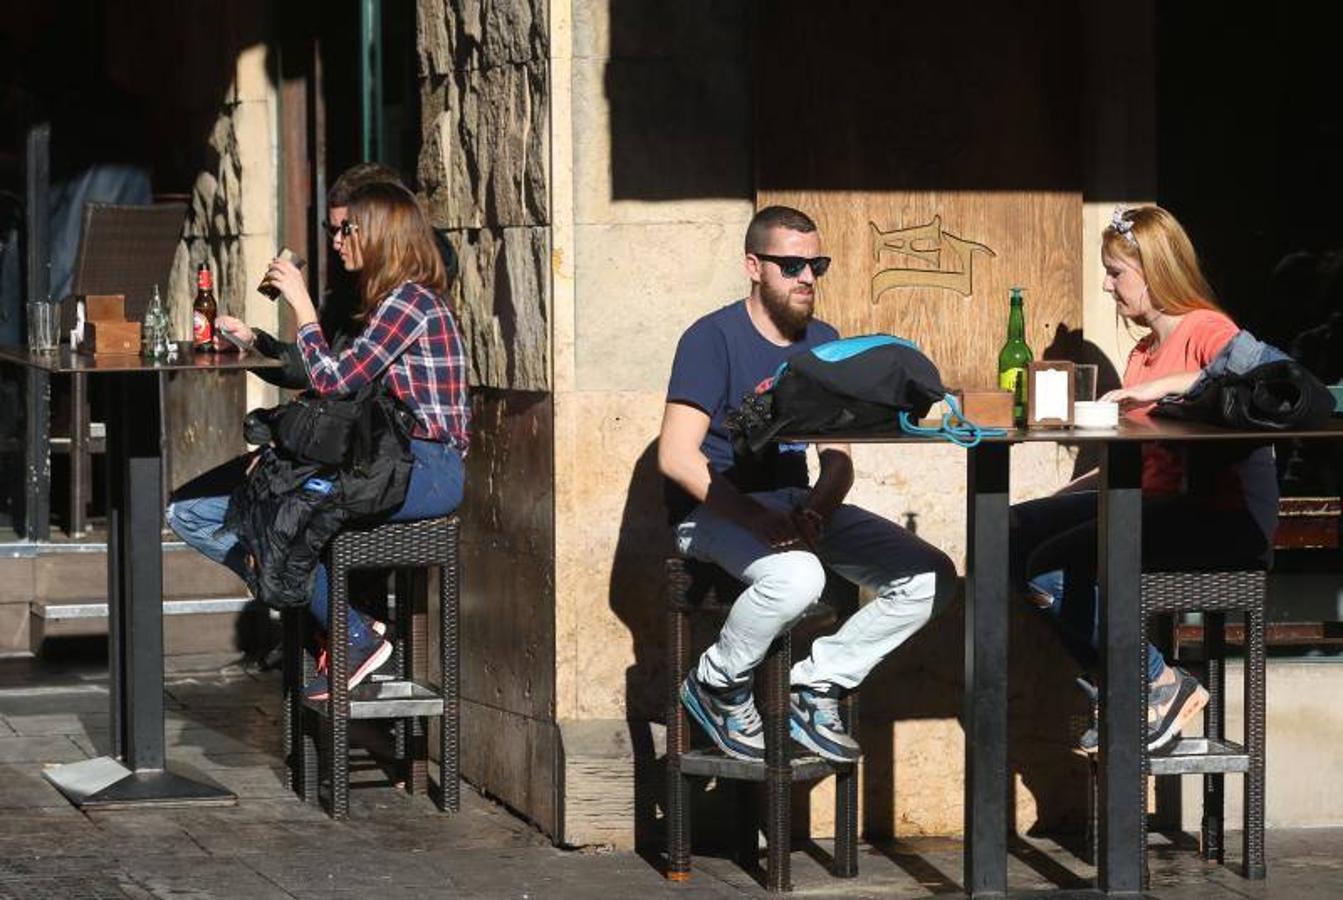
(810, 526)
(775, 527)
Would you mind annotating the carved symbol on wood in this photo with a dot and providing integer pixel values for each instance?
(951, 256)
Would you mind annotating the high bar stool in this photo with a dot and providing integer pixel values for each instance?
(1214, 594)
(700, 588)
(411, 548)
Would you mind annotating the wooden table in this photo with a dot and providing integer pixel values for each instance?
(1123, 834)
(137, 771)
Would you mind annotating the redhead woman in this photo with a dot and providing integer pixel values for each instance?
(1202, 507)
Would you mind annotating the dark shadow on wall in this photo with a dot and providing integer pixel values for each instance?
(636, 596)
(909, 97)
(678, 81)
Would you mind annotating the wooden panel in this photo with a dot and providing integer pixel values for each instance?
(1034, 239)
(941, 156)
(202, 422)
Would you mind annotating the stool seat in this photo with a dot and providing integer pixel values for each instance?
(408, 698)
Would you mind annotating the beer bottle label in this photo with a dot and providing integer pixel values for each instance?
(200, 328)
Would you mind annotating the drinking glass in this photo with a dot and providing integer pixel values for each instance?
(43, 322)
(1084, 382)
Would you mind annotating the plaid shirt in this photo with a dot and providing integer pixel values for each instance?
(412, 337)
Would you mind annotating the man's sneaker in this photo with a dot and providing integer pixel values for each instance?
(729, 716)
(1171, 706)
(1169, 709)
(364, 661)
(814, 722)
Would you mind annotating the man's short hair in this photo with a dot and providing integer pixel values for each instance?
(357, 176)
(771, 217)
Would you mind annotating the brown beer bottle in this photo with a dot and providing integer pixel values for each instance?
(203, 312)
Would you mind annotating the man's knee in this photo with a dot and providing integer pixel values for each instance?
(924, 595)
(791, 581)
(947, 580)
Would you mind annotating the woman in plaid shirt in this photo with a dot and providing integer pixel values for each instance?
(410, 341)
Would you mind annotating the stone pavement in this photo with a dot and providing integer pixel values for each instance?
(226, 724)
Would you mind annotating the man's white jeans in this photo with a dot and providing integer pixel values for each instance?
(909, 576)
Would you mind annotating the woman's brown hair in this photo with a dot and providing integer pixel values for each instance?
(1153, 239)
(396, 243)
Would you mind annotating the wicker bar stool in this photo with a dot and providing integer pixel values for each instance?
(411, 548)
(1214, 594)
(695, 588)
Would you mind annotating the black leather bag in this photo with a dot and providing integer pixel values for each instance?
(342, 432)
(1275, 396)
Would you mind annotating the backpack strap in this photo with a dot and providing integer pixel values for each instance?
(955, 427)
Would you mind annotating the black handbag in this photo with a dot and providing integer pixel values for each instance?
(330, 431)
(1274, 396)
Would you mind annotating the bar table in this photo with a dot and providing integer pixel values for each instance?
(1123, 835)
(137, 771)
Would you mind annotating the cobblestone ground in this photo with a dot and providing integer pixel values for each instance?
(226, 724)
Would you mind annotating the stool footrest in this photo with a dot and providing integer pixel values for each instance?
(712, 764)
(388, 700)
(1199, 756)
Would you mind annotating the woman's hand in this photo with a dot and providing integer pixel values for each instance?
(1152, 391)
(286, 276)
(236, 327)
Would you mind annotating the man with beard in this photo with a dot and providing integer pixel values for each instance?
(760, 520)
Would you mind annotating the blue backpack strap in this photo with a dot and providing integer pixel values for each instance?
(844, 348)
(955, 427)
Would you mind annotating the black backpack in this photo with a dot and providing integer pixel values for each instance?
(876, 382)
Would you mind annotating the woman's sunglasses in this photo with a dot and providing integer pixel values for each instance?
(344, 229)
(792, 266)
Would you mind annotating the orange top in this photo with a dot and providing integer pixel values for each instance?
(1190, 347)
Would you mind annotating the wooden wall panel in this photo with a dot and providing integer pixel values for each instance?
(1033, 240)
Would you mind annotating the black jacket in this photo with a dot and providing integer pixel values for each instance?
(288, 509)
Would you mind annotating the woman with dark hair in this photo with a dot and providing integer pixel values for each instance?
(1204, 507)
(410, 343)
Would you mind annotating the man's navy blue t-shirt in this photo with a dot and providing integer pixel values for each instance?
(719, 360)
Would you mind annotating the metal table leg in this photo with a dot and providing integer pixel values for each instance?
(1123, 796)
(985, 717)
(138, 772)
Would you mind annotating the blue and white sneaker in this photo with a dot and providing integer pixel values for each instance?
(814, 722)
(729, 717)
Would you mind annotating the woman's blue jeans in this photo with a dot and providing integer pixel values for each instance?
(197, 510)
(1053, 551)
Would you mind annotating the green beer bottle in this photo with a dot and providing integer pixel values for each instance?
(1013, 358)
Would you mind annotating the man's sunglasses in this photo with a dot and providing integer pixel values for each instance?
(792, 266)
(344, 229)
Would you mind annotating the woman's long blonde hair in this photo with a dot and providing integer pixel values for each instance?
(396, 243)
(1154, 240)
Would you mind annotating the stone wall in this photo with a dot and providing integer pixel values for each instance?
(483, 171)
(483, 164)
